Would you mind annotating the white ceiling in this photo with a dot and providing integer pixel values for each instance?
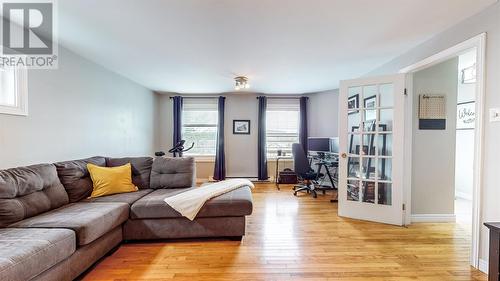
(283, 46)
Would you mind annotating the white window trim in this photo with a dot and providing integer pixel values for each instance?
(21, 92)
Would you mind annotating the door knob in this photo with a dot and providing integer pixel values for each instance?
(344, 155)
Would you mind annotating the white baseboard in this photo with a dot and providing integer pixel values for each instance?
(483, 266)
(433, 218)
(463, 195)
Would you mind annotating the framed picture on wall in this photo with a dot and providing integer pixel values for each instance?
(241, 127)
(466, 115)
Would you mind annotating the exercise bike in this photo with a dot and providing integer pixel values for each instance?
(177, 150)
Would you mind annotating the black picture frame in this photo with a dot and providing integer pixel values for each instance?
(353, 104)
(241, 127)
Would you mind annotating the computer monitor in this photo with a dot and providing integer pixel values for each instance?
(319, 144)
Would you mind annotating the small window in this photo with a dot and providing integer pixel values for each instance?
(282, 125)
(13, 91)
(199, 125)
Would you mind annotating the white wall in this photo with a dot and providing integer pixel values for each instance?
(464, 160)
(433, 169)
(487, 21)
(323, 114)
(76, 111)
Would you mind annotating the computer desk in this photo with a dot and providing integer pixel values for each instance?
(327, 160)
(276, 175)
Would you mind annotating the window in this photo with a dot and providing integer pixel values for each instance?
(282, 125)
(13, 91)
(199, 125)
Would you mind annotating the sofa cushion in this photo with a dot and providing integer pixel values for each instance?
(128, 198)
(29, 191)
(75, 177)
(89, 220)
(232, 204)
(25, 253)
(141, 169)
(169, 172)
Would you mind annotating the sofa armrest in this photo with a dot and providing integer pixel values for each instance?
(170, 172)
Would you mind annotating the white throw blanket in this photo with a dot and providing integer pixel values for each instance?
(189, 203)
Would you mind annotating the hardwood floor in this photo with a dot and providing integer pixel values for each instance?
(301, 238)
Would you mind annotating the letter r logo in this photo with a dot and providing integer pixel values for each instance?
(27, 28)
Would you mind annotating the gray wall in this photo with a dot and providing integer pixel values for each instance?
(433, 169)
(78, 110)
(323, 114)
(486, 21)
(241, 150)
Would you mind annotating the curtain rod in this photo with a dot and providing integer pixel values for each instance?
(283, 98)
(197, 97)
(211, 97)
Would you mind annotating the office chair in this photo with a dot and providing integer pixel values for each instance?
(303, 170)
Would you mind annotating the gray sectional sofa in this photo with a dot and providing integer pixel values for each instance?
(51, 230)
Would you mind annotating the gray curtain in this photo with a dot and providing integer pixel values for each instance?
(262, 151)
(220, 158)
(303, 135)
(177, 103)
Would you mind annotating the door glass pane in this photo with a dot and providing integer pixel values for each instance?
(369, 92)
(368, 168)
(352, 190)
(353, 167)
(369, 126)
(384, 169)
(369, 104)
(384, 144)
(384, 193)
(369, 191)
(385, 119)
(354, 143)
(353, 97)
(369, 144)
(353, 121)
(386, 95)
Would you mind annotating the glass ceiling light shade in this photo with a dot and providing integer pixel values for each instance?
(241, 82)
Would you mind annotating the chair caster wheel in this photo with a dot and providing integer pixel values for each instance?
(295, 194)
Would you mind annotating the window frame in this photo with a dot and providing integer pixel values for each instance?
(21, 94)
(273, 157)
(200, 157)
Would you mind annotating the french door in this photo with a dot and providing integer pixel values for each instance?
(371, 149)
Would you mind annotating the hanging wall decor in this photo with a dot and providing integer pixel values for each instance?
(466, 115)
(432, 112)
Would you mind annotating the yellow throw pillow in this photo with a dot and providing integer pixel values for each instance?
(112, 180)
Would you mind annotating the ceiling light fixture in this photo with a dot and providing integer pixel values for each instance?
(241, 83)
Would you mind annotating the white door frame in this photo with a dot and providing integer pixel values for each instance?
(478, 42)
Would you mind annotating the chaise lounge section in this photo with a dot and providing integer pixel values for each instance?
(51, 230)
